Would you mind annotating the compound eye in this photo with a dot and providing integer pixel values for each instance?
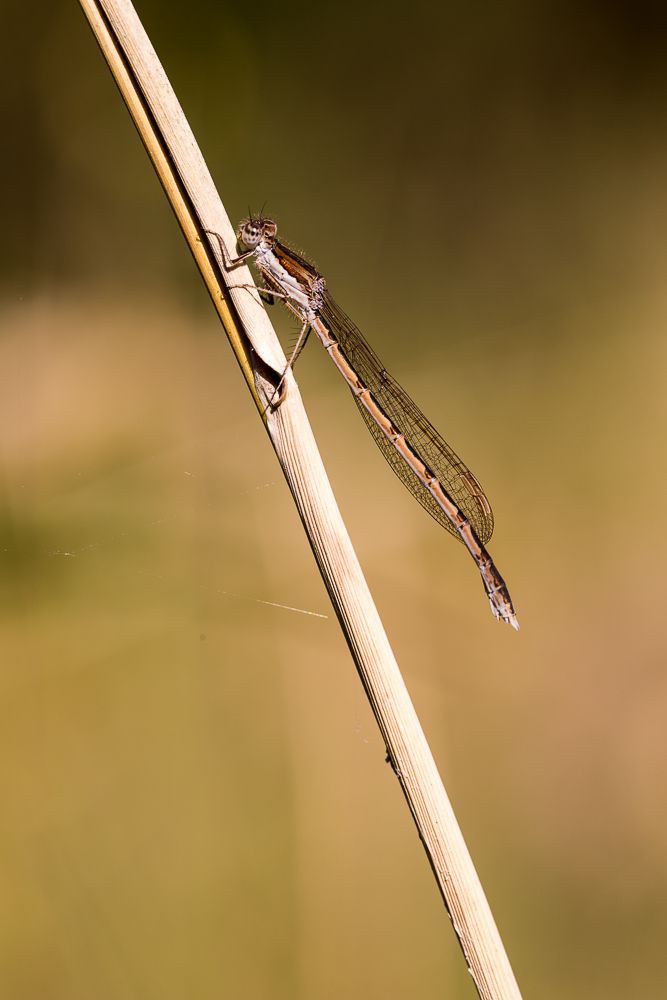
(249, 235)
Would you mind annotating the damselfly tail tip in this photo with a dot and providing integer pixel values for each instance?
(509, 616)
(505, 614)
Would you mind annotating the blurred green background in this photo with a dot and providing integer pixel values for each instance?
(194, 797)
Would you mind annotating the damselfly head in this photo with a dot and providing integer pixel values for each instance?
(249, 233)
(253, 230)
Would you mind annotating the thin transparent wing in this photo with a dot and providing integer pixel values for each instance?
(442, 461)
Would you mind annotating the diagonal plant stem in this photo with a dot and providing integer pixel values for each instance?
(192, 195)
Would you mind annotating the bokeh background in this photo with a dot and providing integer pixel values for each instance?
(194, 797)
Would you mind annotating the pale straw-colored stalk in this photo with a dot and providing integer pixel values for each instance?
(188, 185)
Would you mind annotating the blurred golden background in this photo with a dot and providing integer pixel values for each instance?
(194, 797)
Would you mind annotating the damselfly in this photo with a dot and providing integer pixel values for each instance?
(419, 456)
